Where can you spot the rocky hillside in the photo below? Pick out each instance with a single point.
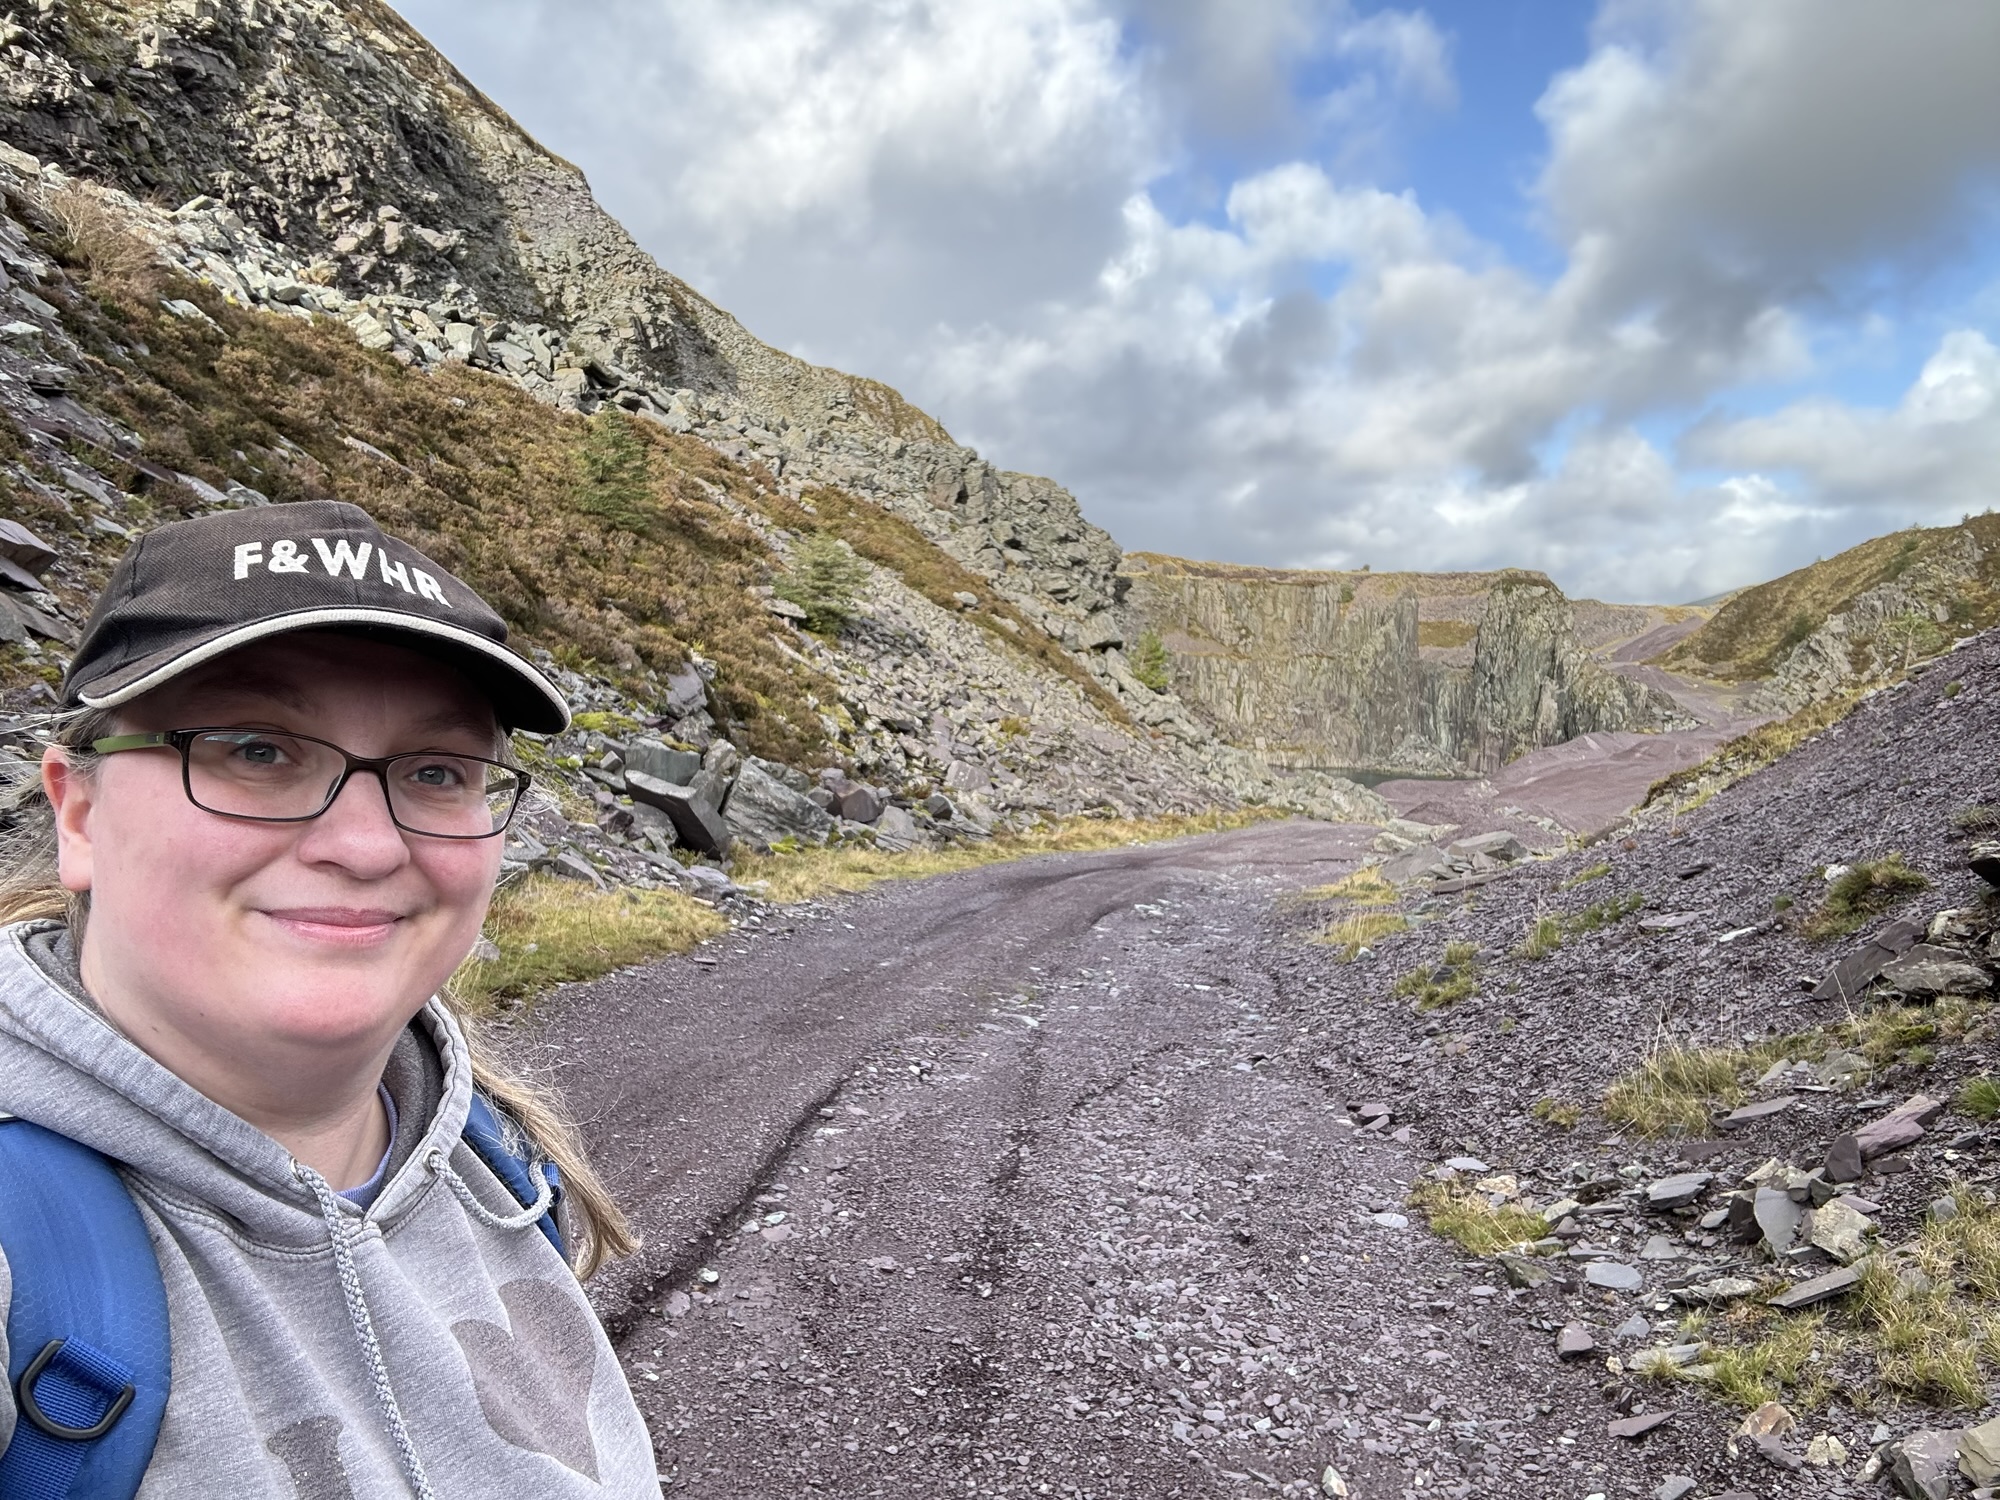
(1419, 674)
(629, 476)
(1855, 620)
(336, 132)
(1714, 1104)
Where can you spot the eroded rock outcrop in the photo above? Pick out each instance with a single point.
(336, 130)
(1417, 674)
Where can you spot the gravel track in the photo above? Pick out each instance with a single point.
(1008, 1183)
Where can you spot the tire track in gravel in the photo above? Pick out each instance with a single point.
(1008, 1186)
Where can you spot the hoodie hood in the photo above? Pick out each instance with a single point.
(66, 1068)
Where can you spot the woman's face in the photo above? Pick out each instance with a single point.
(220, 944)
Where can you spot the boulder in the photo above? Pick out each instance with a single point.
(28, 552)
(695, 819)
(1678, 1191)
(895, 829)
(687, 691)
(762, 810)
(1920, 1466)
(723, 759)
(856, 803)
(1503, 847)
(655, 826)
(662, 762)
(965, 776)
(1843, 1160)
(784, 775)
(1850, 978)
(1927, 972)
(1839, 1231)
(1979, 1453)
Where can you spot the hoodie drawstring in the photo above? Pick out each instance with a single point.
(338, 1226)
(527, 1218)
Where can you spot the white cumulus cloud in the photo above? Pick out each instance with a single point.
(1019, 212)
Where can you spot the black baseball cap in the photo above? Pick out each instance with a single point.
(187, 592)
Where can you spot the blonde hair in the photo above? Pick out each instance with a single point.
(31, 890)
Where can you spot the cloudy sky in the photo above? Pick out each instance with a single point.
(1661, 296)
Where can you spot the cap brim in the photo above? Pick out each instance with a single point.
(522, 697)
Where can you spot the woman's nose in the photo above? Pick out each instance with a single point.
(357, 830)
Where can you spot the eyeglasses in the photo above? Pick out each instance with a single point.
(271, 777)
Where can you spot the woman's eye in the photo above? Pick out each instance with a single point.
(437, 776)
(261, 753)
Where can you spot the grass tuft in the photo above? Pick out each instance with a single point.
(1977, 818)
(1587, 874)
(1979, 1097)
(1436, 986)
(1675, 1090)
(1471, 1220)
(1866, 890)
(551, 931)
(1361, 929)
(1557, 1112)
(1365, 887)
(1544, 938)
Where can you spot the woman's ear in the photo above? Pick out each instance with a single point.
(71, 793)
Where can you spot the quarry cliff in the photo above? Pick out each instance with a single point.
(1416, 674)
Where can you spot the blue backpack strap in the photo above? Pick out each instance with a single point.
(88, 1351)
(499, 1148)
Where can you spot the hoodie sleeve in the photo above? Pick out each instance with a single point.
(6, 1354)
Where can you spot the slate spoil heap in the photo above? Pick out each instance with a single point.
(1716, 1115)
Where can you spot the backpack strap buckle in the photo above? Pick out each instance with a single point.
(82, 1380)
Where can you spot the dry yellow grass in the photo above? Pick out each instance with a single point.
(1675, 1089)
(1361, 929)
(810, 873)
(1365, 887)
(1750, 752)
(552, 932)
(1471, 1220)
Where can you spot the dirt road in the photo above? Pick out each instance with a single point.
(1004, 1184)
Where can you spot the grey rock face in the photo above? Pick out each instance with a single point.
(695, 819)
(662, 762)
(1922, 1463)
(1926, 972)
(762, 810)
(1333, 674)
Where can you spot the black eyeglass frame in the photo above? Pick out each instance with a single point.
(181, 741)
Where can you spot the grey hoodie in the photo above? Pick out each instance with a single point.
(441, 1347)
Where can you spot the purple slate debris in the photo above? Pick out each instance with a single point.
(1843, 1159)
(1771, 1448)
(1820, 1288)
(1679, 1190)
(1634, 1428)
(1668, 922)
(1749, 1114)
(1861, 968)
(1370, 1112)
(1575, 1341)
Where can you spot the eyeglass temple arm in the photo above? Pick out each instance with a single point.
(119, 742)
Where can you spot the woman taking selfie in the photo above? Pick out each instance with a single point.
(266, 836)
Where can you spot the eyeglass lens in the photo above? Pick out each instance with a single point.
(260, 774)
